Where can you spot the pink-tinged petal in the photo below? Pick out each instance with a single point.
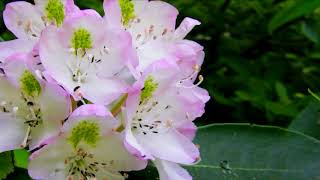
(120, 55)
(56, 63)
(130, 140)
(171, 146)
(196, 98)
(112, 149)
(171, 171)
(55, 107)
(154, 51)
(91, 112)
(9, 48)
(70, 7)
(14, 66)
(190, 66)
(26, 24)
(33, 63)
(102, 91)
(48, 162)
(145, 11)
(13, 131)
(112, 12)
(185, 27)
(187, 50)
(188, 129)
(134, 147)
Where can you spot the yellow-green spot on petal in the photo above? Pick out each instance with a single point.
(85, 131)
(29, 84)
(127, 11)
(55, 11)
(149, 87)
(81, 39)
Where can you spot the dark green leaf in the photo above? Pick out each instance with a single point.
(21, 158)
(6, 164)
(310, 30)
(240, 151)
(296, 10)
(308, 122)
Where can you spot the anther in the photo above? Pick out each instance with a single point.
(15, 109)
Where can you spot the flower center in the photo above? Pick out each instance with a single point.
(149, 87)
(81, 40)
(127, 11)
(83, 165)
(85, 131)
(150, 114)
(55, 11)
(29, 84)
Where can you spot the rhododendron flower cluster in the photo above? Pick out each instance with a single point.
(95, 97)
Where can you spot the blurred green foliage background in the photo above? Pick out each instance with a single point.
(252, 75)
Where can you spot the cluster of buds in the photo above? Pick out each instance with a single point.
(94, 97)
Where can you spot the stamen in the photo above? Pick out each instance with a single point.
(24, 142)
(15, 109)
(180, 84)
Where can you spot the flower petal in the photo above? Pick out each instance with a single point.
(171, 171)
(9, 48)
(55, 108)
(112, 12)
(48, 162)
(145, 11)
(171, 146)
(185, 27)
(112, 150)
(102, 91)
(13, 132)
(55, 63)
(188, 129)
(26, 24)
(14, 66)
(92, 112)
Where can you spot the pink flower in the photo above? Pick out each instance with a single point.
(31, 108)
(158, 113)
(153, 34)
(87, 148)
(87, 58)
(27, 21)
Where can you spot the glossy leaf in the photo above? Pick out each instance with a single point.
(308, 122)
(241, 151)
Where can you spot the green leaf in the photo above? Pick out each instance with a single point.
(296, 10)
(282, 93)
(21, 158)
(242, 151)
(308, 121)
(314, 95)
(255, 152)
(6, 164)
(311, 30)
